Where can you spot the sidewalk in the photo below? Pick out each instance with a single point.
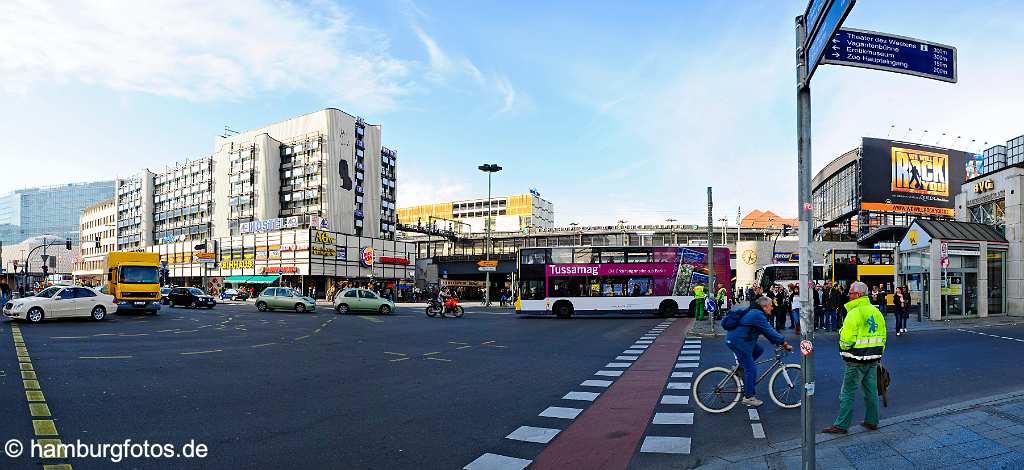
(978, 434)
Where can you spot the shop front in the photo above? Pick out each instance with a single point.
(953, 269)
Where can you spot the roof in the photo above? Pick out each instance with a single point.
(765, 219)
(952, 230)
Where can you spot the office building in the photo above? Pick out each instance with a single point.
(98, 226)
(50, 210)
(508, 213)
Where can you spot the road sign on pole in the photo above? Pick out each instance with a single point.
(817, 41)
(892, 53)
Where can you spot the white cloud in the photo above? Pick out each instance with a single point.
(508, 94)
(199, 50)
(421, 190)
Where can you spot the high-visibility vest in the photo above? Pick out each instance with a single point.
(698, 291)
(862, 338)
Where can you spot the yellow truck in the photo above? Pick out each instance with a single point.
(133, 278)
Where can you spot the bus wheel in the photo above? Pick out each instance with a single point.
(563, 309)
(668, 308)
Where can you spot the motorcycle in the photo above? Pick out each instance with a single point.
(450, 307)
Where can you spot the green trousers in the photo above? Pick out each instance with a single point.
(700, 308)
(865, 377)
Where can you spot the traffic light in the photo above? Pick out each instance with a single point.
(200, 246)
(46, 270)
(785, 230)
(67, 243)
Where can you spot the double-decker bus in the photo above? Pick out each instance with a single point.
(785, 274)
(564, 281)
(871, 266)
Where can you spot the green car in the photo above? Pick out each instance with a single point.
(352, 300)
(284, 298)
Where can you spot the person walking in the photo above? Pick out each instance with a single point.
(795, 304)
(721, 297)
(5, 292)
(901, 301)
(861, 344)
(742, 340)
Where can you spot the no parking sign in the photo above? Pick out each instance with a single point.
(806, 348)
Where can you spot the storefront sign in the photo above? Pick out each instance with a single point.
(238, 264)
(280, 269)
(204, 257)
(317, 222)
(983, 186)
(460, 283)
(285, 248)
(325, 252)
(392, 260)
(324, 237)
(367, 256)
(269, 225)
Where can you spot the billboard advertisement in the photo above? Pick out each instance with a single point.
(910, 178)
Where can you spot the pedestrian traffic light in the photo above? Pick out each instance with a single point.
(67, 243)
(785, 230)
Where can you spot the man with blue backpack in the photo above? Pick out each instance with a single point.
(744, 325)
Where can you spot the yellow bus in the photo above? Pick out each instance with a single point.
(133, 278)
(871, 266)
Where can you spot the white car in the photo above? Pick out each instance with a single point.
(61, 302)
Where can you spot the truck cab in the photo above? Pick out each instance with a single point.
(133, 279)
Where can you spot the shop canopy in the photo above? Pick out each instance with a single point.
(252, 279)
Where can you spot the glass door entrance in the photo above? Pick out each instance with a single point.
(953, 295)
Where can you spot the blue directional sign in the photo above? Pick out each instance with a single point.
(873, 50)
(811, 17)
(819, 38)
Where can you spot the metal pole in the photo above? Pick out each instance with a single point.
(487, 245)
(711, 260)
(804, 209)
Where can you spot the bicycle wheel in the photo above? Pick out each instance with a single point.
(784, 386)
(717, 390)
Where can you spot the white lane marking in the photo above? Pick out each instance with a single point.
(581, 396)
(758, 430)
(626, 358)
(675, 399)
(673, 418)
(560, 412)
(618, 364)
(633, 351)
(692, 340)
(639, 346)
(682, 375)
(490, 461)
(532, 434)
(752, 412)
(688, 358)
(596, 383)
(685, 365)
(666, 445)
(644, 341)
(609, 373)
(678, 386)
(691, 346)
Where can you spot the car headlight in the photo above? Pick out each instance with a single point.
(17, 307)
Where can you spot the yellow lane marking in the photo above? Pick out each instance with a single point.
(28, 374)
(261, 345)
(25, 366)
(50, 448)
(68, 337)
(21, 351)
(30, 384)
(302, 337)
(432, 353)
(63, 466)
(24, 359)
(395, 353)
(44, 427)
(201, 352)
(399, 359)
(439, 359)
(105, 357)
(39, 409)
(34, 395)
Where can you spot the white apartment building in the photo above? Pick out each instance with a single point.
(98, 228)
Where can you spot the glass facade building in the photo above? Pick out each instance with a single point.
(51, 210)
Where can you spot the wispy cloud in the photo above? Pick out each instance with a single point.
(508, 94)
(199, 50)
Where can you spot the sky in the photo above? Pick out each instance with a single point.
(611, 110)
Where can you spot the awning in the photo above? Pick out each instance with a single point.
(252, 279)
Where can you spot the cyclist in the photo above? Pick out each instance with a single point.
(743, 342)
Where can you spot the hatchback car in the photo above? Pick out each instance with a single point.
(61, 302)
(234, 294)
(190, 296)
(273, 298)
(362, 300)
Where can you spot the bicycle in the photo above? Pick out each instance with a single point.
(723, 387)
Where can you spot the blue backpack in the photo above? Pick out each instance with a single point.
(732, 319)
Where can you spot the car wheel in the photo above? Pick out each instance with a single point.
(261, 306)
(385, 310)
(300, 307)
(563, 309)
(99, 313)
(341, 309)
(35, 315)
(193, 304)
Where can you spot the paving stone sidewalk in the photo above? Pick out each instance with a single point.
(980, 434)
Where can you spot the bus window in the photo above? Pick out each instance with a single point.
(534, 256)
(583, 256)
(638, 255)
(533, 290)
(561, 255)
(613, 256)
(639, 286)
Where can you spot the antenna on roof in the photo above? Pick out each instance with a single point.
(228, 132)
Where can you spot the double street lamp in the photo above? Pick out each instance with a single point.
(488, 168)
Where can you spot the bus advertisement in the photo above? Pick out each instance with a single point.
(601, 279)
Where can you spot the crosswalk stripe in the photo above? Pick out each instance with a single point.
(596, 383)
(533, 434)
(490, 461)
(561, 412)
(666, 445)
(672, 418)
(581, 396)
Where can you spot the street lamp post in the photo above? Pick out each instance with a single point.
(488, 168)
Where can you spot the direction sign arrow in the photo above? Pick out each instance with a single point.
(889, 52)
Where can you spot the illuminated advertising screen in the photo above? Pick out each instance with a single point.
(911, 179)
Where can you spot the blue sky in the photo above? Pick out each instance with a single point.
(612, 110)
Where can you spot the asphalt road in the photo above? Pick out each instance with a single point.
(282, 389)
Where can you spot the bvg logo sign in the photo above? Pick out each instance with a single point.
(920, 172)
